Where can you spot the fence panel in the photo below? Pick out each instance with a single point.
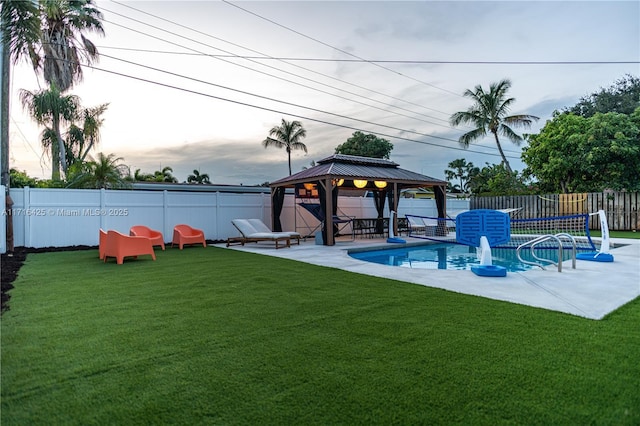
(621, 207)
(48, 217)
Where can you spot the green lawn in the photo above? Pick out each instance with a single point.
(617, 234)
(214, 336)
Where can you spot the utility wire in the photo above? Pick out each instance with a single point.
(340, 50)
(277, 69)
(393, 61)
(265, 56)
(234, 44)
(276, 100)
(283, 112)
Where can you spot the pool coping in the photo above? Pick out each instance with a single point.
(592, 291)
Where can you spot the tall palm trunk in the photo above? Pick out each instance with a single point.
(504, 158)
(55, 150)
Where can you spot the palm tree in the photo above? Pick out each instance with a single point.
(20, 29)
(105, 172)
(164, 175)
(287, 136)
(92, 122)
(63, 42)
(48, 107)
(139, 176)
(198, 177)
(489, 114)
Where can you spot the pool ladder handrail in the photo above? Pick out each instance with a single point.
(558, 238)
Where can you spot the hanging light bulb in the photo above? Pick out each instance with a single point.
(340, 182)
(380, 184)
(308, 186)
(360, 183)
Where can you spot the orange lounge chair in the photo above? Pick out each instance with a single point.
(120, 246)
(103, 243)
(142, 231)
(184, 234)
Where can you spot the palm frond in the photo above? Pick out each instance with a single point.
(472, 136)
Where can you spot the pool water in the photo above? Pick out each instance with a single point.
(449, 256)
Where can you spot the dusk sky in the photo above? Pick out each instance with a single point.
(198, 85)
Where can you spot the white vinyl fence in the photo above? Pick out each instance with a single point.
(70, 217)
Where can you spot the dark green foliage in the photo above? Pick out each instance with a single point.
(462, 171)
(20, 179)
(213, 336)
(578, 154)
(365, 146)
(622, 97)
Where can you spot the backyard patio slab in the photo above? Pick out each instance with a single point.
(592, 290)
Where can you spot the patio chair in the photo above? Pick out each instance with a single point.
(251, 235)
(142, 231)
(120, 246)
(102, 243)
(184, 234)
(416, 225)
(261, 227)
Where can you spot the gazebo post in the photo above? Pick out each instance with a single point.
(396, 200)
(328, 214)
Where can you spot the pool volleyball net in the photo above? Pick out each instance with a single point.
(522, 230)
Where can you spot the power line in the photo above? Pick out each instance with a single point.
(284, 112)
(340, 50)
(265, 56)
(276, 100)
(392, 61)
(271, 99)
(251, 59)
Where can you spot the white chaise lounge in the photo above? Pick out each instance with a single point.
(261, 227)
(251, 235)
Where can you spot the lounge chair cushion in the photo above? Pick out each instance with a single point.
(261, 227)
(251, 234)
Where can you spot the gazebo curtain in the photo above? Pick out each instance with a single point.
(379, 200)
(277, 202)
(440, 196)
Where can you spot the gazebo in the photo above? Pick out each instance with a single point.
(348, 172)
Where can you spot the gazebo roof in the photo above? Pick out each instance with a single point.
(340, 166)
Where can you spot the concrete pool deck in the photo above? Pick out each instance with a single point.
(592, 290)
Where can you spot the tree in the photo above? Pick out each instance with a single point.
(288, 136)
(199, 178)
(21, 179)
(63, 44)
(138, 176)
(462, 171)
(91, 122)
(622, 97)
(49, 33)
(494, 179)
(49, 108)
(365, 146)
(489, 115)
(577, 154)
(164, 175)
(106, 172)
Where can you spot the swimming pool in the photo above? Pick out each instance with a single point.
(448, 256)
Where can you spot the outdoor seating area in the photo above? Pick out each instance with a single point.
(142, 240)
